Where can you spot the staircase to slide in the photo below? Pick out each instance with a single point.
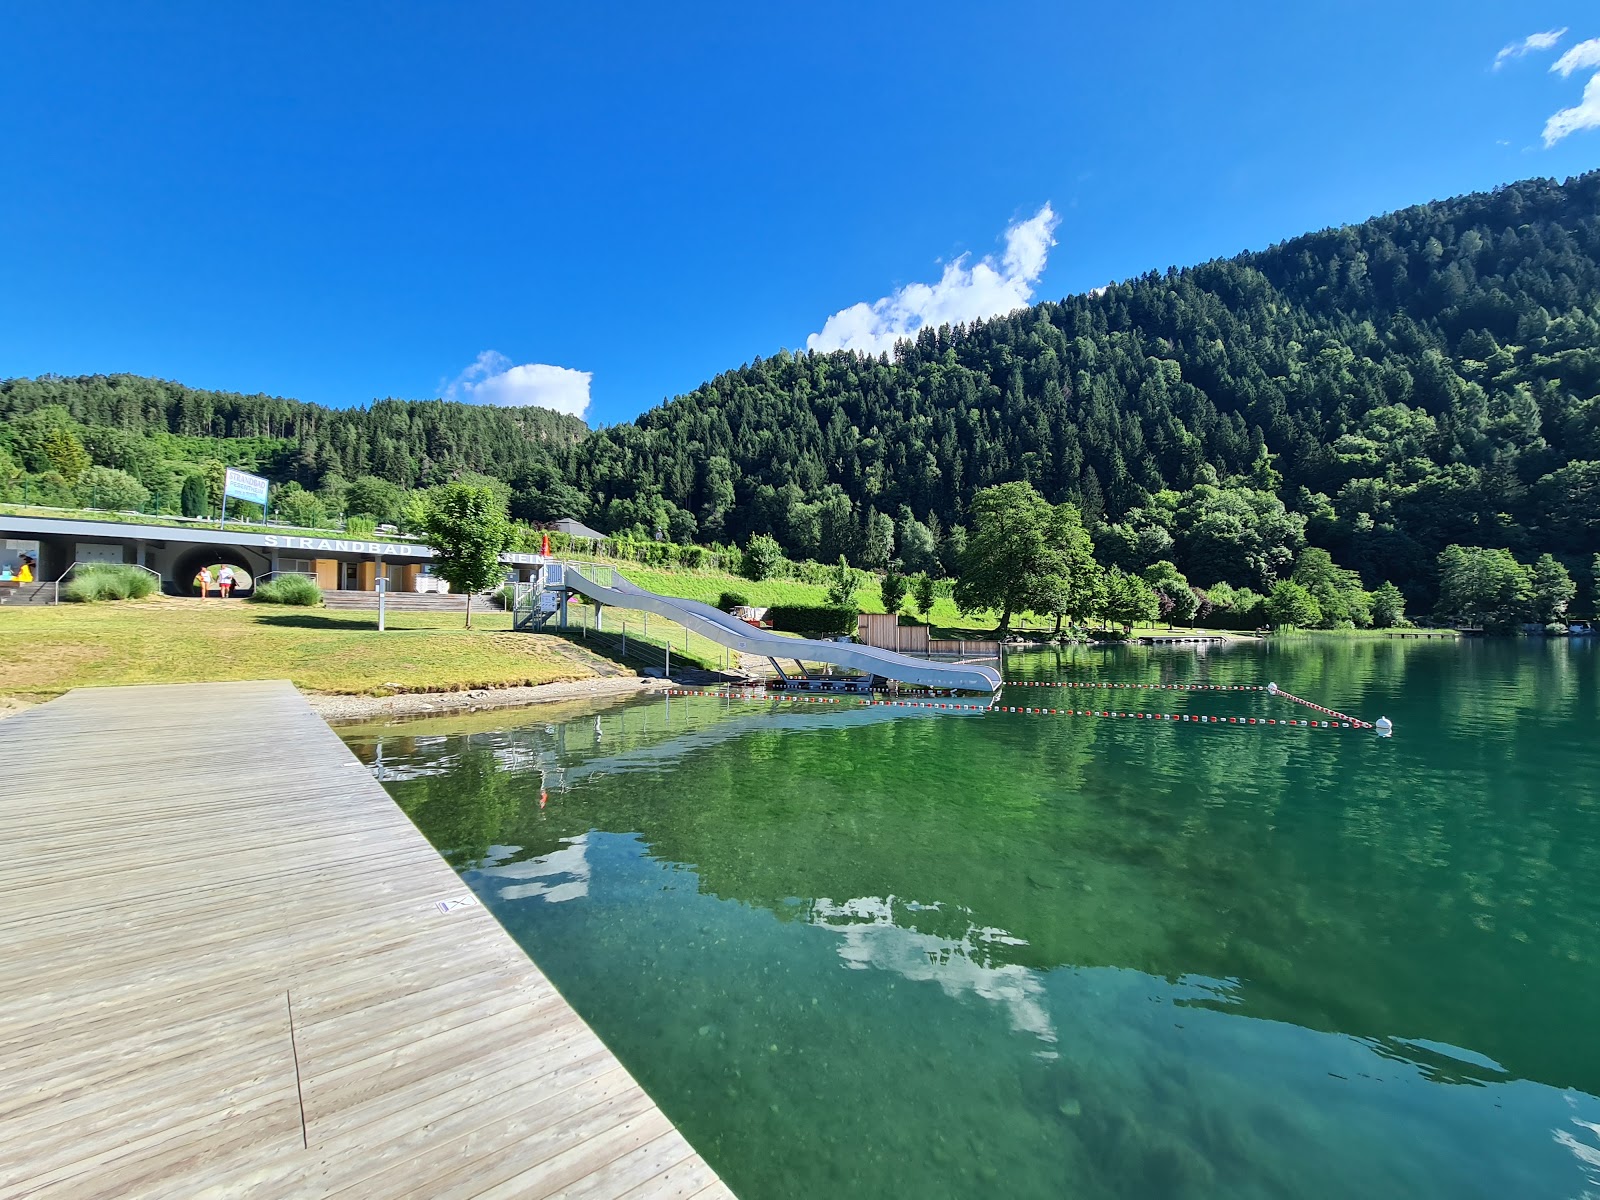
(726, 630)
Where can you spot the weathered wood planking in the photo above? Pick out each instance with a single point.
(223, 972)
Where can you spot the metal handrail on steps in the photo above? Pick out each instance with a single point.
(86, 563)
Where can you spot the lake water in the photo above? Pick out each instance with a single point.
(879, 952)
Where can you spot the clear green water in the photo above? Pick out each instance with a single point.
(883, 953)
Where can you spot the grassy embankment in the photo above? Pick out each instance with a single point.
(168, 640)
(165, 640)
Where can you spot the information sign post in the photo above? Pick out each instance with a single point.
(242, 485)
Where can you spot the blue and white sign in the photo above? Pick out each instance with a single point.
(242, 485)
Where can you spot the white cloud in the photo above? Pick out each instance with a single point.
(1532, 43)
(1581, 56)
(963, 293)
(1584, 115)
(493, 379)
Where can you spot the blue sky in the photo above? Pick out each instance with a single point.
(338, 202)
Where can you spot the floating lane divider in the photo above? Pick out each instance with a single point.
(1180, 718)
(1273, 689)
(757, 696)
(1163, 687)
(951, 706)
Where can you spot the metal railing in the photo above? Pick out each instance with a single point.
(526, 610)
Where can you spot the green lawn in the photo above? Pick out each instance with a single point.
(168, 640)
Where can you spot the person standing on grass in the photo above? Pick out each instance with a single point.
(225, 581)
(204, 580)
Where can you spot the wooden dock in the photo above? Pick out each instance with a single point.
(232, 967)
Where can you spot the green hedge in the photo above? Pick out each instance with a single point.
(729, 601)
(108, 581)
(816, 620)
(289, 589)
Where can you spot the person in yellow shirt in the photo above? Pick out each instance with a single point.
(25, 571)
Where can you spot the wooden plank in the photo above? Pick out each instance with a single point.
(688, 1177)
(249, 988)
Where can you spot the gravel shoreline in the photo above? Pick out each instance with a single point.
(336, 709)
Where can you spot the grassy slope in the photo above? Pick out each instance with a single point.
(165, 640)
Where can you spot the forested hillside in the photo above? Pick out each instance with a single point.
(1383, 390)
(410, 443)
(1427, 378)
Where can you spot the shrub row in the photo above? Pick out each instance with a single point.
(289, 589)
(527, 540)
(816, 620)
(108, 581)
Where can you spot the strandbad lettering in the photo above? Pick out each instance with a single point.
(339, 546)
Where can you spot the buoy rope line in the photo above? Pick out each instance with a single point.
(1278, 691)
(1163, 687)
(1179, 718)
(1270, 688)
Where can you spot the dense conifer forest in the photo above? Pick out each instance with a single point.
(1381, 391)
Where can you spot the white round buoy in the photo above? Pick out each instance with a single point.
(1384, 726)
(1272, 689)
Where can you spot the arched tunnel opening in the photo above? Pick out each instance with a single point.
(186, 569)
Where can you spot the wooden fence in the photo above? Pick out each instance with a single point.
(884, 631)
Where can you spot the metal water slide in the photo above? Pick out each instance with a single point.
(727, 630)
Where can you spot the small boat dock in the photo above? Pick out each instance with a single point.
(235, 968)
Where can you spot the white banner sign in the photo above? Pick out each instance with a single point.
(242, 485)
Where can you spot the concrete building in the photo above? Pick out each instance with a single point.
(178, 552)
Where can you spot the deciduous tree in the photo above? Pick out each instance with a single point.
(843, 580)
(1553, 589)
(893, 591)
(1388, 607)
(1488, 587)
(468, 528)
(761, 558)
(1289, 603)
